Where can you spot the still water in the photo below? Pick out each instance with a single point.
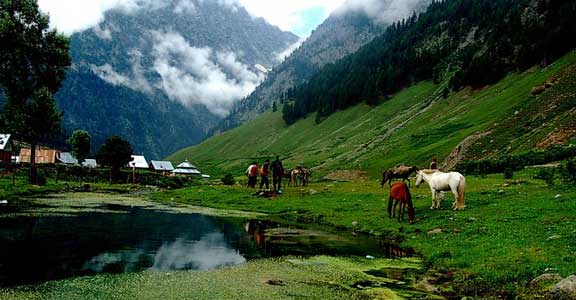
(36, 249)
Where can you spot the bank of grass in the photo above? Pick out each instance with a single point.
(510, 232)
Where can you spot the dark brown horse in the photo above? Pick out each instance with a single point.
(399, 172)
(399, 193)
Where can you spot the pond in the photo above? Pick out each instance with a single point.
(64, 239)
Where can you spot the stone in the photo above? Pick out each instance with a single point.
(544, 278)
(565, 289)
(435, 231)
(554, 237)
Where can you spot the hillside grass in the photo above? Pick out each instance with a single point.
(510, 232)
(410, 128)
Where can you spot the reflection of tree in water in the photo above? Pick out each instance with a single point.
(279, 240)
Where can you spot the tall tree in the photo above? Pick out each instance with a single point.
(33, 63)
(80, 141)
(115, 153)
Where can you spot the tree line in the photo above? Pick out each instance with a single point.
(457, 42)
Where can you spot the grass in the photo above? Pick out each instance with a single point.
(510, 232)
(286, 278)
(410, 128)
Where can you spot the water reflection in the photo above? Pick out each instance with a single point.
(38, 249)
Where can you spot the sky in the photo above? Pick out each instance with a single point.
(297, 16)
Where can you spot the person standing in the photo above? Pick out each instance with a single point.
(264, 173)
(434, 164)
(277, 174)
(252, 173)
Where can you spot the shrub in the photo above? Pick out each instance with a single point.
(568, 172)
(546, 174)
(508, 173)
(228, 180)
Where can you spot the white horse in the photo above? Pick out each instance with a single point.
(440, 182)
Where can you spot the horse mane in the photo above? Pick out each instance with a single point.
(410, 204)
(429, 171)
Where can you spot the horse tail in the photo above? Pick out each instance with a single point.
(410, 204)
(383, 179)
(390, 201)
(461, 203)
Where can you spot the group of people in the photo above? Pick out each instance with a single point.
(277, 170)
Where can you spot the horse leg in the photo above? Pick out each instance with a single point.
(433, 199)
(394, 210)
(402, 210)
(455, 193)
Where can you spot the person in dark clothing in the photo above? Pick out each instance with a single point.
(434, 164)
(264, 173)
(277, 174)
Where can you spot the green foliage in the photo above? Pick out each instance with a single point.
(516, 162)
(546, 174)
(463, 42)
(116, 153)
(228, 179)
(568, 170)
(34, 60)
(80, 141)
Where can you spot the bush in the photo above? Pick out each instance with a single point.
(568, 172)
(508, 173)
(228, 180)
(546, 174)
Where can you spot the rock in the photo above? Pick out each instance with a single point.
(565, 289)
(355, 223)
(557, 196)
(546, 277)
(313, 192)
(472, 219)
(435, 231)
(554, 237)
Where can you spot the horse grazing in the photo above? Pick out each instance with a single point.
(400, 193)
(402, 172)
(440, 182)
(300, 174)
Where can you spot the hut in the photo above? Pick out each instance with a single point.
(6, 148)
(161, 166)
(186, 169)
(66, 158)
(43, 155)
(90, 163)
(138, 162)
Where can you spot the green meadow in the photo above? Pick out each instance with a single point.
(511, 231)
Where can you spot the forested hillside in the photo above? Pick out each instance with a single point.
(343, 33)
(411, 127)
(457, 43)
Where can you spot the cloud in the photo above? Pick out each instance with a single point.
(203, 76)
(185, 7)
(136, 80)
(280, 57)
(384, 11)
(70, 16)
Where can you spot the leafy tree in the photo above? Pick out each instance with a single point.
(33, 63)
(274, 107)
(80, 142)
(115, 153)
(228, 179)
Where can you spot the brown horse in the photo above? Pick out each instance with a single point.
(401, 194)
(401, 172)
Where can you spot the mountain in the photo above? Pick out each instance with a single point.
(160, 74)
(456, 42)
(414, 125)
(343, 33)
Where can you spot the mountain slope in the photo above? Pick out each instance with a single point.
(162, 73)
(414, 125)
(343, 33)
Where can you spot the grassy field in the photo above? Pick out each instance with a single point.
(511, 231)
(270, 279)
(410, 128)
